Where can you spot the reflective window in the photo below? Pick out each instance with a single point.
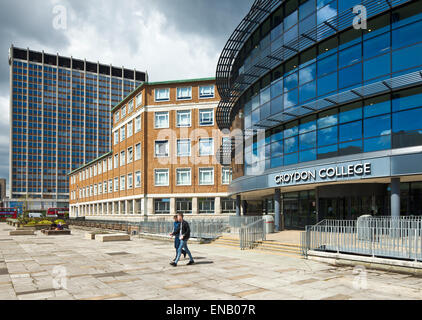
(327, 118)
(407, 58)
(307, 141)
(407, 99)
(350, 56)
(350, 76)
(377, 106)
(327, 84)
(377, 126)
(376, 46)
(291, 145)
(327, 65)
(328, 136)
(376, 67)
(350, 131)
(407, 35)
(350, 113)
(407, 120)
(377, 144)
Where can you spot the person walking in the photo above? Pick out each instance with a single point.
(183, 232)
(176, 239)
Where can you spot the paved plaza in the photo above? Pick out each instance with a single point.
(70, 267)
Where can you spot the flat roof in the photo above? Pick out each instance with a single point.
(125, 100)
(91, 163)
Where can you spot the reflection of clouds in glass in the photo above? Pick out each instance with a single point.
(328, 121)
(386, 132)
(309, 138)
(290, 145)
(326, 13)
(307, 74)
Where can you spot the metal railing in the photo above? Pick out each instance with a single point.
(250, 235)
(398, 238)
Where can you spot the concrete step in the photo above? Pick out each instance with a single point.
(268, 246)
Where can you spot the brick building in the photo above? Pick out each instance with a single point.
(163, 159)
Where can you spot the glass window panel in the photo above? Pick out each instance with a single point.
(350, 37)
(307, 124)
(376, 46)
(350, 76)
(291, 145)
(306, 9)
(405, 121)
(377, 144)
(307, 24)
(407, 35)
(307, 74)
(377, 106)
(277, 149)
(407, 58)
(327, 84)
(277, 105)
(307, 140)
(265, 111)
(327, 12)
(307, 91)
(350, 148)
(407, 99)
(377, 126)
(407, 14)
(290, 20)
(327, 118)
(290, 99)
(328, 152)
(291, 159)
(291, 129)
(291, 35)
(377, 67)
(290, 82)
(276, 89)
(350, 131)
(265, 95)
(328, 136)
(327, 65)
(309, 155)
(343, 5)
(350, 56)
(276, 162)
(351, 112)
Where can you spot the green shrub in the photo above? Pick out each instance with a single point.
(45, 222)
(59, 222)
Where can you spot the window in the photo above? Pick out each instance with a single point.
(161, 177)
(122, 134)
(206, 92)
(138, 179)
(123, 112)
(206, 147)
(206, 176)
(95, 190)
(129, 129)
(110, 164)
(162, 95)
(183, 148)
(226, 175)
(95, 171)
(161, 120)
(139, 100)
(162, 206)
(206, 205)
(105, 166)
(206, 117)
(184, 93)
(116, 161)
(110, 186)
(122, 183)
(162, 148)
(138, 152)
(130, 107)
(116, 184)
(100, 167)
(130, 155)
(130, 181)
(138, 124)
(116, 137)
(228, 205)
(183, 177)
(105, 186)
(184, 205)
(117, 117)
(122, 158)
(184, 118)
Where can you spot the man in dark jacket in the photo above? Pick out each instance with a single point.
(176, 239)
(183, 232)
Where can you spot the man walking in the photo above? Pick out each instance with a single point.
(176, 239)
(183, 233)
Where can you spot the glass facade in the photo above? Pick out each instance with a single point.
(346, 60)
(60, 120)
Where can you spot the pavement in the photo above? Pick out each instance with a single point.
(72, 268)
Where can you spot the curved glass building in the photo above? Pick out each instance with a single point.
(324, 99)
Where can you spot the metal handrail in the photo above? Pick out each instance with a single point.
(251, 234)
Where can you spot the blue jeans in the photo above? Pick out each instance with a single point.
(183, 246)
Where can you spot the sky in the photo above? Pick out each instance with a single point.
(171, 39)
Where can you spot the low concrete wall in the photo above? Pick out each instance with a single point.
(391, 265)
(112, 237)
(22, 233)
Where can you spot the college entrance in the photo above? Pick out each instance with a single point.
(336, 202)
